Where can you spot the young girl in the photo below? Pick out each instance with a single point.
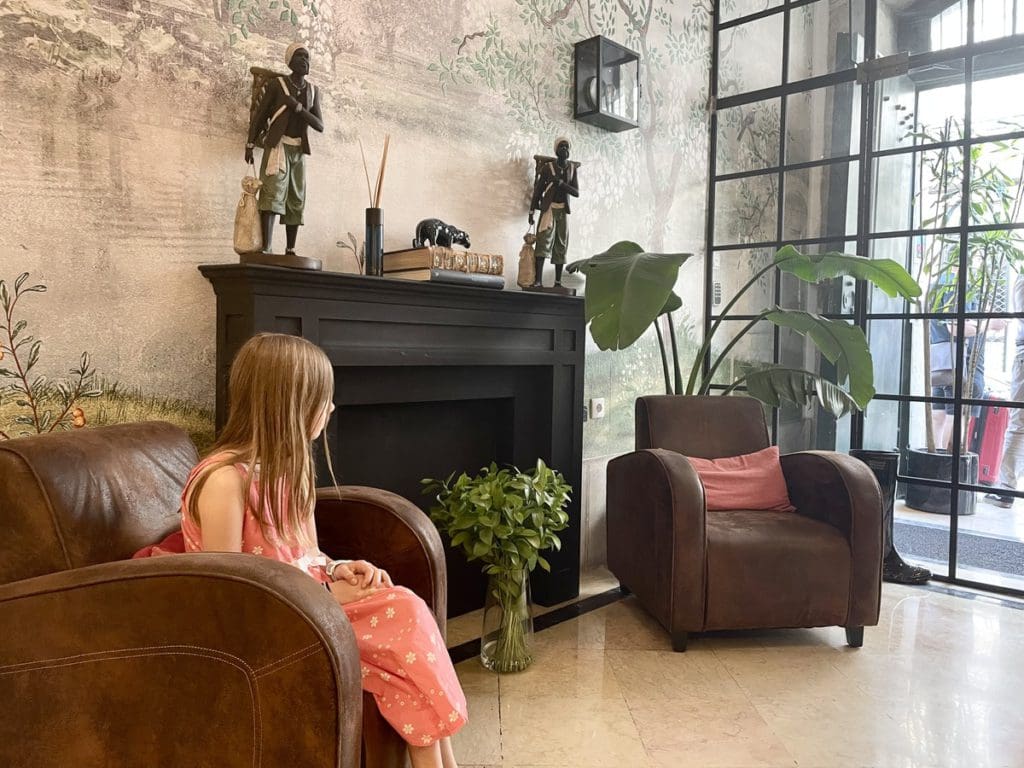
(255, 493)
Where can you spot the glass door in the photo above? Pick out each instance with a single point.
(891, 129)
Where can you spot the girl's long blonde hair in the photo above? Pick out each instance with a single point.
(279, 388)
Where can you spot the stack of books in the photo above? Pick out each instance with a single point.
(443, 265)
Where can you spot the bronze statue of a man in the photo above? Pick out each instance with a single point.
(555, 183)
(289, 107)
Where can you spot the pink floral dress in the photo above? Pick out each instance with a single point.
(405, 663)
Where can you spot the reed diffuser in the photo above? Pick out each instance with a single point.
(374, 242)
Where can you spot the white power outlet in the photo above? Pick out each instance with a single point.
(597, 408)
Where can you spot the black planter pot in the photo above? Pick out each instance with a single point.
(938, 465)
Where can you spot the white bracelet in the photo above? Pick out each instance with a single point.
(334, 564)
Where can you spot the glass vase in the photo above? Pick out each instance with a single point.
(507, 641)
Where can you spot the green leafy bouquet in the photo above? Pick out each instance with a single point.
(505, 518)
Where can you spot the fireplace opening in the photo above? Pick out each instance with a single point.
(395, 427)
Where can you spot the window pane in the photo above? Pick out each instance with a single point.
(904, 27)
(732, 270)
(915, 108)
(750, 56)
(753, 350)
(820, 41)
(734, 9)
(991, 541)
(833, 296)
(931, 260)
(992, 19)
(991, 111)
(918, 190)
(748, 137)
(823, 123)
(811, 428)
(746, 210)
(821, 202)
(897, 349)
(996, 183)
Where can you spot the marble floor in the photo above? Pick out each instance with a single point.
(937, 683)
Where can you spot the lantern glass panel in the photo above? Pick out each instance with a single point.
(586, 70)
(619, 88)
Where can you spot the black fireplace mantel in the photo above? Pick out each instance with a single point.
(417, 350)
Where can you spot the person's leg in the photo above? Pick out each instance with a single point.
(447, 753)
(271, 198)
(938, 417)
(542, 249)
(406, 667)
(945, 440)
(1013, 439)
(295, 201)
(947, 430)
(426, 757)
(560, 243)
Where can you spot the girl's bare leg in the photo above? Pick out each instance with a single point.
(426, 757)
(447, 754)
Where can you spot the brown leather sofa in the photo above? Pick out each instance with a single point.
(698, 571)
(182, 660)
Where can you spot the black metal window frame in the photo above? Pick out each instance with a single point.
(864, 236)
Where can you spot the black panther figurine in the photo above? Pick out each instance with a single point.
(438, 233)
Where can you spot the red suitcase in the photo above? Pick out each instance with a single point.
(987, 431)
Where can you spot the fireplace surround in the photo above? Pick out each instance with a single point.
(429, 379)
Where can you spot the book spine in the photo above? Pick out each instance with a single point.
(466, 278)
(474, 263)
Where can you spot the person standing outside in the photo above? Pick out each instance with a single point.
(1013, 442)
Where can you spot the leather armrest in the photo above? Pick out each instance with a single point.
(201, 659)
(656, 535)
(842, 491)
(358, 523)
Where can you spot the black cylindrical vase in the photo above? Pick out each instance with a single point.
(885, 467)
(374, 242)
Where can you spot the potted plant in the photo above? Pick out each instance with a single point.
(994, 196)
(628, 290)
(505, 518)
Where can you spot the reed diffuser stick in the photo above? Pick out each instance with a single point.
(366, 171)
(380, 173)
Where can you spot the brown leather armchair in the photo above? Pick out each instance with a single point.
(697, 571)
(199, 660)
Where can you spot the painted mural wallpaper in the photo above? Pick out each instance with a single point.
(124, 121)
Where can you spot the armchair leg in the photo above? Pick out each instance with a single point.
(855, 636)
(679, 640)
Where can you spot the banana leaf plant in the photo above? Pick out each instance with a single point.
(629, 289)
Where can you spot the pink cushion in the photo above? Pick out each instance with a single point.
(752, 481)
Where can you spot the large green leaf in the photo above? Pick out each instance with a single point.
(774, 384)
(673, 303)
(842, 344)
(627, 289)
(886, 274)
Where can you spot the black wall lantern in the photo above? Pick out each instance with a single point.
(607, 85)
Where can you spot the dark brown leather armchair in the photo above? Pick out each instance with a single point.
(199, 660)
(697, 571)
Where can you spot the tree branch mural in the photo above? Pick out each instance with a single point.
(530, 67)
(46, 406)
